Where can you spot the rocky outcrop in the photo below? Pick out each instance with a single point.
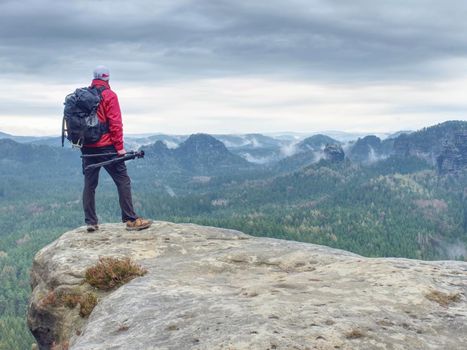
(370, 149)
(429, 143)
(453, 158)
(199, 154)
(210, 288)
(334, 153)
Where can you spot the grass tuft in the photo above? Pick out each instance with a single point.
(49, 300)
(111, 272)
(70, 299)
(87, 303)
(443, 299)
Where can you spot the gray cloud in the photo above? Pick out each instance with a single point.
(362, 40)
(196, 65)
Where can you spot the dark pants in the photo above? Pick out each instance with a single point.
(117, 172)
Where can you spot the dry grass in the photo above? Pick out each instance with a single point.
(443, 299)
(70, 299)
(49, 300)
(86, 301)
(354, 334)
(111, 272)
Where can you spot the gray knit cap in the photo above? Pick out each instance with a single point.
(102, 73)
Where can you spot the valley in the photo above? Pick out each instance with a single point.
(401, 196)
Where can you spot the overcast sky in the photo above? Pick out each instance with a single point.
(181, 66)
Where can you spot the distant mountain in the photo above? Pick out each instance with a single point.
(453, 157)
(316, 143)
(306, 152)
(287, 135)
(19, 138)
(135, 142)
(206, 152)
(131, 142)
(11, 150)
(255, 148)
(340, 136)
(398, 133)
(248, 141)
(334, 153)
(290, 151)
(45, 160)
(429, 143)
(370, 149)
(344, 137)
(200, 153)
(50, 141)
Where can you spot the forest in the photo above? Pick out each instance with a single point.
(396, 207)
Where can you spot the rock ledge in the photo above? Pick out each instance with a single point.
(210, 288)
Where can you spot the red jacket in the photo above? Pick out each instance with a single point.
(109, 110)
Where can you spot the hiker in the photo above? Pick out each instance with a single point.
(111, 141)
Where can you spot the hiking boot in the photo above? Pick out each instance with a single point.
(138, 224)
(92, 228)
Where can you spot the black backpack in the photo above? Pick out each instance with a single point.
(80, 122)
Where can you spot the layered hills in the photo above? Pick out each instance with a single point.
(191, 153)
(365, 197)
(200, 153)
(394, 204)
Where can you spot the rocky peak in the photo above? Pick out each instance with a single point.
(429, 143)
(157, 150)
(202, 143)
(370, 149)
(159, 146)
(199, 154)
(334, 153)
(363, 149)
(211, 288)
(453, 158)
(316, 143)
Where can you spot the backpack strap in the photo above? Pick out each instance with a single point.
(104, 127)
(100, 89)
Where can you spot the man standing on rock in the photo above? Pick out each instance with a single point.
(110, 142)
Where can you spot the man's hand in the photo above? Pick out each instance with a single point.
(121, 152)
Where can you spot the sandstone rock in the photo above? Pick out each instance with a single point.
(438, 144)
(334, 153)
(210, 288)
(453, 158)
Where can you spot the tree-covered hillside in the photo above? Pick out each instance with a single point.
(399, 206)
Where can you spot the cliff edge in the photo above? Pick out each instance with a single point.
(210, 288)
